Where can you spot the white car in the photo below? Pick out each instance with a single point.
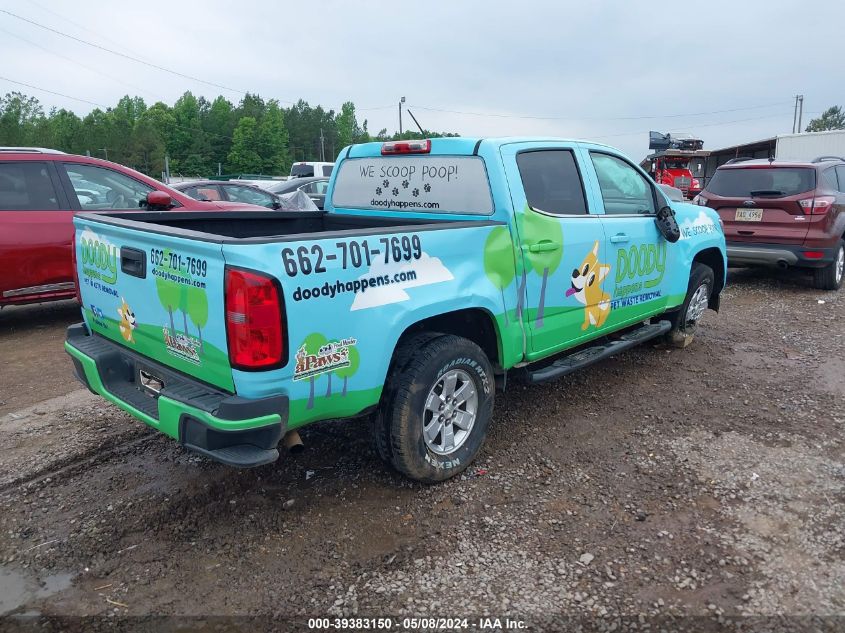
(311, 169)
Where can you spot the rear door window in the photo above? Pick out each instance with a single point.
(840, 175)
(27, 186)
(829, 179)
(762, 181)
(551, 182)
(248, 195)
(209, 193)
(432, 184)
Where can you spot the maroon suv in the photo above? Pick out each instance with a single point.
(783, 213)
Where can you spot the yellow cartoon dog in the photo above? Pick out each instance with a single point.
(586, 286)
(127, 321)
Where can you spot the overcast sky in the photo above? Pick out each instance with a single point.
(605, 70)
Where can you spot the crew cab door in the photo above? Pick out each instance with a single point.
(558, 233)
(637, 254)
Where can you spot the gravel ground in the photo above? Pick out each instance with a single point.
(656, 486)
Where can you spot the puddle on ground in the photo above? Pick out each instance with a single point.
(18, 588)
(832, 372)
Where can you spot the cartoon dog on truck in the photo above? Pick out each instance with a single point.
(586, 286)
(127, 321)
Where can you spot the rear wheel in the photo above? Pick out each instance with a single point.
(439, 407)
(685, 321)
(830, 277)
(379, 421)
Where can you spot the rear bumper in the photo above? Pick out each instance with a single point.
(777, 255)
(227, 428)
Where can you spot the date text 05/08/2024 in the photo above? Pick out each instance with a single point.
(483, 623)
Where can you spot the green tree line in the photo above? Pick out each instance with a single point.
(253, 136)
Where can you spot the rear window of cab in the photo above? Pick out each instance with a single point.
(432, 184)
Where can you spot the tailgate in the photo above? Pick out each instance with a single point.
(158, 295)
(761, 203)
(765, 222)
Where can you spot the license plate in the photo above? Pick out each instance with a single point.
(151, 384)
(749, 215)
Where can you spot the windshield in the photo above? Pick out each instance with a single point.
(675, 164)
(436, 184)
(751, 181)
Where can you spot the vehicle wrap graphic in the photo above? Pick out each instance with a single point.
(173, 314)
(127, 321)
(587, 280)
(349, 295)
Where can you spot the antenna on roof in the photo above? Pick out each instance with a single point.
(415, 121)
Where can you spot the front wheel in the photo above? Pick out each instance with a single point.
(439, 409)
(685, 321)
(830, 277)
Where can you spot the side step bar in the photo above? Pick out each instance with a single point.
(588, 356)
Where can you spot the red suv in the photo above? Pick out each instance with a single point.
(40, 190)
(783, 213)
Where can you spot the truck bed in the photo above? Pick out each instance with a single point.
(240, 227)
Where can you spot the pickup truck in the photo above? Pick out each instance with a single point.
(439, 269)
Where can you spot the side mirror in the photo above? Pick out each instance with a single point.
(159, 201)
(667, 224)
(277, 204)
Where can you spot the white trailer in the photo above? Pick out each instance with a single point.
(809, 145)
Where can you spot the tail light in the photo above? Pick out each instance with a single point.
(406, 147)
(253, 320)
(817, 206)
(73, 266)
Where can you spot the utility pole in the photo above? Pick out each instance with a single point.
(106, 152)
(166, 169)
(401, 101)
(322, 146)
(797, 114)
(800, 111)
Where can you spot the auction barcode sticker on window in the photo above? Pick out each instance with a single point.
(434, 184)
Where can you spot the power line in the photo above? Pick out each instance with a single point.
(175, 126)
(123, 55)
(82, 27)
(569, 118)
(392, 105)
(774, 116)
(53, 92)
(78, 63)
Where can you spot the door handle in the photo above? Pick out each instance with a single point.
(133, 262)
(619, 238)
(543, 246)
